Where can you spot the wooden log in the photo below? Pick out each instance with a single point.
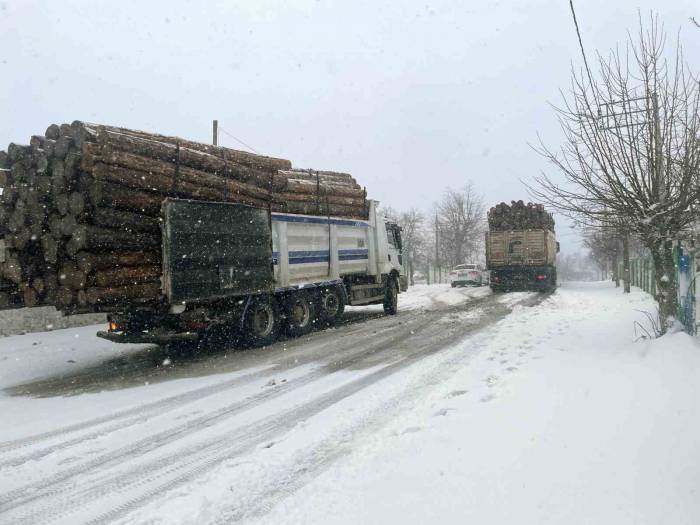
(5, 300)
(176, 176)
(126, 276)
(93, 238)
(241, 157)
(333, 210)
(71, 276)
(30, 296)
(17, 218)
(68, 225)
(135, 292)
(49, 246)
(40, 161)
(58, 176)
(305, 186)
(65, 296)
(124, 220)
(9, 195)
(54, 225)
(65, 130)
(218, 162)
(43, 186)
(53, 132)
(76, 203)
(61, 203)
(39, 286)
(62, 147)
(90, 262)
(331, 199)
(164, 185)
(20, 238)
(71, 166)
(325, 177)
(153, 183)
(12, 269)
(103, 194)
(17, 152)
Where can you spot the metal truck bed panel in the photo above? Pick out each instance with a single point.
(520, 247)
(215, 250)
(310, 249)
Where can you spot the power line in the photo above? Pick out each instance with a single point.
(251, 148)
(580, 43)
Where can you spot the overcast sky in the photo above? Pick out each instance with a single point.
(409, 97)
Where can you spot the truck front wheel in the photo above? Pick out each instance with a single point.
(391, 297)
(300, 313)
(262, 321)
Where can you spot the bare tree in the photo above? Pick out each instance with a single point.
(631, 152)
(461, 217)
(413, 237)
(604, 249)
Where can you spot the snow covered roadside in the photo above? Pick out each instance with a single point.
(560, 418)
(36, 355)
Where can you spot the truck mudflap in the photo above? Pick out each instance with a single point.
(161, 338)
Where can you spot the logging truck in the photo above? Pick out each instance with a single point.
(522, 259)
(233, 272)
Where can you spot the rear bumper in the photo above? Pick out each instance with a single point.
(157, 339)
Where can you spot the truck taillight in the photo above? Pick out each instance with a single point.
(495, 278)
(541, 277)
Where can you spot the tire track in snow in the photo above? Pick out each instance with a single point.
(185, 463)
(133, 416)
(43, 488)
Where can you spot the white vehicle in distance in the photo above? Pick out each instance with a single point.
(468, 275)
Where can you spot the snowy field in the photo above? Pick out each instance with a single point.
(465, 407)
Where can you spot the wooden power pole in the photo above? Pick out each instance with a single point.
(215, 134)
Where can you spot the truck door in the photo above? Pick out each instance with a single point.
(393, 233)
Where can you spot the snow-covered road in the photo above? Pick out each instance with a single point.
(129, 423)
(466, 406)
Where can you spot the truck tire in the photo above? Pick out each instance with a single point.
(391, 297)
(262, 321)
(299, 313)
(331, 306)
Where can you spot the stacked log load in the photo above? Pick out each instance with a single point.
(81, 204)
(519, 216)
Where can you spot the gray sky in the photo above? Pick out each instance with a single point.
(410, 97)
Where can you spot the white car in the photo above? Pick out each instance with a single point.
(468, 274)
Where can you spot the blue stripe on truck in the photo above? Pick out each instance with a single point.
(318, 220)
(316, 256)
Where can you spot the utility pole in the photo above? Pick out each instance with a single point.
(215, 134)
(626, 261)
(658, 152)
(437, 256)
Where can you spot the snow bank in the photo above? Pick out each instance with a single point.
(42, 354)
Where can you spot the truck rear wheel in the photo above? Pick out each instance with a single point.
(299, 313)
(262, 321)
(331, 305)
(391, 297)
